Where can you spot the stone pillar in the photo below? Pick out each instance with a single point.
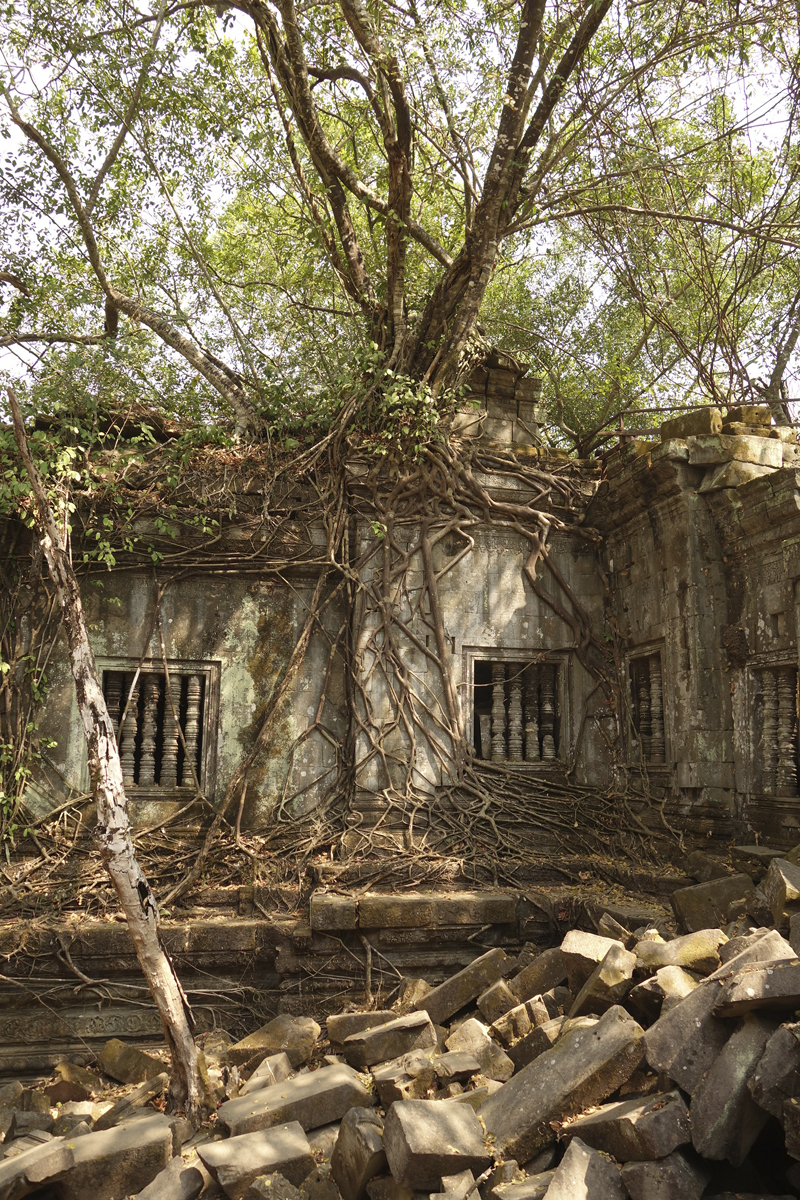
(130, 726)
(191, 729)
(547, 712)
(532, 751)
(769, 732)
(498, 712)
(147, 763)
(657, 746)
(515, 716)
(786, 772)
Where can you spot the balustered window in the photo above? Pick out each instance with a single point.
(160, 732)
(647, 708)
(776, 715)
(516, 707)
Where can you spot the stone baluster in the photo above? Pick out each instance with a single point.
(532, 751)
(786, 773)
(128, 732)
(498, 712)
(643, 698)
(191, 729)
(515, 716)
(147, 762)
(486, 734)
(769, 731)
(657, 747)
(548, 713)
(113, 693)
(169, 753)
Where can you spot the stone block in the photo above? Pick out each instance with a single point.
(692, 424)
(412, 992)
(776, 949)
(541, 1038)
(359, 1154)
(23, 1123)
(584, 1173)
(313, 1099)
(733, 475)
(475, 908)
(323, 1140)
(342, 1025)
(706, 450)
(582, 952)
(128, 1105)
(385, 1188)
(272, 1187)
(583, 1068)
(608, 984)
(754, 415)
(794, 932)
(274, 1069)
(760, 986)
(533, 1188)
(725, 1118)
(455, 1065)
(636, 1130)
(442, 1002)
(394, 912)
(71, 1113)
(175, 1182)
(294, 1036)
(319, 1185)
(698, 952)
(118, 1162)
(127, 1064)
(673, 1178)
(425, 1140)
(546, 971)
(497, 1000)
(657, 995)
(684, 1043)
(472, 1037)
(10, 1094)
(705, 905)
(33, 1169)
(388, 1041)
(777, 1076)
(704, 867)
(393, 1082)
(782, 888)
(517, 1022)
(331, 913)
(237, 1161)
(72, 1083)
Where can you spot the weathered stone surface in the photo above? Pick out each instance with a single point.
(71, 1114)
(393, 1082)
(342, 1025)
(443, 1001)
(10, 1094)
(517, 1022)
(582, 952)
(318, 1185)
(724, 448)
(295, 1036)
(127, 1064)
(583, 1068)
(704, 867)
(330, 913)
(610, 927)
(672, 1178)
(425, 1140)
(389, 1041)
(608, 984)
(472, 1037)
(754, 860)
(412, 992)
(546, 971)
(725, 1119)
(541, 1038)
(776, 949)
(583, 1174)
(272, 1187)
(314, 1099)
(274, 1069)
(791, 1126)
(385, 1188)
(118, 1162)
(692, 424)
(175, 1182)
(705, 905)
(756, 415)
(128, 1104)
(781, 886)
(533, 1188)
(359, 1154)
(761, 986)
(323, 1140)
(665, 989)
(777, 1076)
(27, 1172)
(636, 1130)
(455, 1065)
(71, 1083)
(697, 952)
(27, 1122)
(496, 1000)
(733, 474)
(794, 932)
(455, 1187)
(237, 1161)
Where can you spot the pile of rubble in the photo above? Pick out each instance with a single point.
(619, 1064)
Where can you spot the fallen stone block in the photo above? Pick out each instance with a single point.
(127, 1064)
(295, 1036)
(533, 1188)
(237, 1161)
(394, 1082)
(118, 1162)
(655, 996)
(71, 1083)
(671, 1178)
(456, 1065)
(704, 867)
(27, 1122)
(725, 1119)
(791, 1126)
(705, 905)
(692, 424)
(517, 1023)
(584, 1173)
(385, 1188)
(636, 1130)
(540, 1039)
(71, 1114)
(496, 1000)
(780, 948)
(425, 1140)
(318, 1185)
(28, 1172)
(698, 952)
(11, 1094)
(271, 1070)
(582, 953)
(544, 973)
(323, 1140)
(272, 1187)
(342, 1025)
(443, 1001)
(583, 1068)
(781, 887)
(412, 992)
(359, 1154)
(610, 927)
(754, 860)
(761, 986)
(398, 1036)
(120, 1111)
(794, 932)
(777, 1076)
(175, 1182)
(313, 1099)
(472, 1037)
(608, 984)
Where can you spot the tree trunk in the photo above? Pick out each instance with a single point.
(112, 832)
